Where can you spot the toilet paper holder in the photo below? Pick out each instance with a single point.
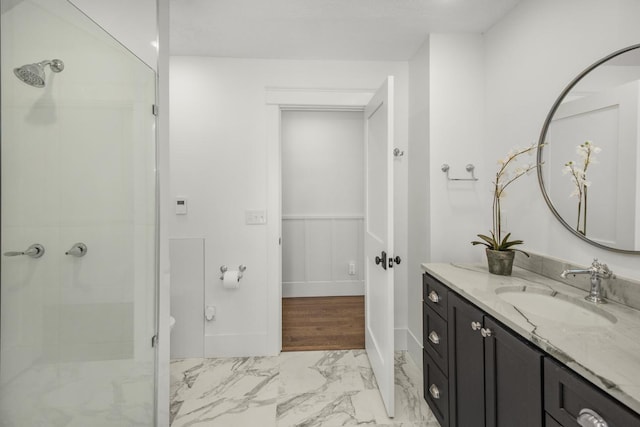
(223, 269)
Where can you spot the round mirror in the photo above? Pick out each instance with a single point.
(590, 151)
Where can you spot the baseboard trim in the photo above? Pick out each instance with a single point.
(322, 289)
(400, 339)
(236, 345)
(414, 348)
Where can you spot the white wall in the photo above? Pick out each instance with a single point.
(219, 161)
(446, 126)
(322, 203)
(419, 248)
(530, 56)
(132, 23)
(322, 163)
(458, 210)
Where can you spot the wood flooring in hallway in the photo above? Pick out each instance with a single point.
(323, 323)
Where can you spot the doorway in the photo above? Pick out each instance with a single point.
(378, 109)
(322, 166)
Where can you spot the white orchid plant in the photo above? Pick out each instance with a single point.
(508, 172)
(577, 171)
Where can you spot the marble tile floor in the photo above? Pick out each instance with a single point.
(111, 393)
(312, 389)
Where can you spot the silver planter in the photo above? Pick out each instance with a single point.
(500, 262)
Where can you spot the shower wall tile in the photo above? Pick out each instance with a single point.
(187, 297)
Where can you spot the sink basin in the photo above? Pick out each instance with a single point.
(555, 306)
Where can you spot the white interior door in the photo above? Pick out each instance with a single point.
(379, 240)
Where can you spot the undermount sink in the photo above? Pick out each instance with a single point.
(555, 306)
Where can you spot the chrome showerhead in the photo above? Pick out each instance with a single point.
(33, 74)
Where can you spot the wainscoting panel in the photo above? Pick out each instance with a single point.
(317, 252)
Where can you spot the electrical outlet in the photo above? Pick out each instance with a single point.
(352, 268)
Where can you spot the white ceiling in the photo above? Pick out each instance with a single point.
(322, 29)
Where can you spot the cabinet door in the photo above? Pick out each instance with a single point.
(466, 364)
(513, 379)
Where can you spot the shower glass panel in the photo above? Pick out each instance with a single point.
(77, 312)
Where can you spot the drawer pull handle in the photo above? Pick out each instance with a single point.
(434, 337)
(434, 391)
(486, 332)
(476, 326)
(590, 418)
(434, 297)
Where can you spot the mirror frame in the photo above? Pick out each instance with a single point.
(541, 141)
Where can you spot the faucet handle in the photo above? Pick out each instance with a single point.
(601, 269)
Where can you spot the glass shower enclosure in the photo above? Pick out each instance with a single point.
(78, 222)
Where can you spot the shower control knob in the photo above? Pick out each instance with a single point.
(77, 250)
(34, 251)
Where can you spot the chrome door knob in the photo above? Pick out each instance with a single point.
(34, 251)
(476, 326)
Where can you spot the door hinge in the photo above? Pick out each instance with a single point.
(154, 340)
(154, 109)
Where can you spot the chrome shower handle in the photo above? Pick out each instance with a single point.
(77, 250)
(34, 251)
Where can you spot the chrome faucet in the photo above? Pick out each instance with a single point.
(597, 271)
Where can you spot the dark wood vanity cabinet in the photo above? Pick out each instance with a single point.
(494, 379)
(480, 374)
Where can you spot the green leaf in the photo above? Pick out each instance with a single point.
(489, 240)
(508, 245)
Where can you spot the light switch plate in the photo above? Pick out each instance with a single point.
(253, 217)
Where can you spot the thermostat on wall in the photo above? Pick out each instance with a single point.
(181, 206)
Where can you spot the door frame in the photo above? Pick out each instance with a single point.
(278, 100)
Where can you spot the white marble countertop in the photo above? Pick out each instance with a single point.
(607, 355)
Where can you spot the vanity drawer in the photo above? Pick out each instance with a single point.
(434, 295)
(566, 394)
(435, 337)
(436, 390)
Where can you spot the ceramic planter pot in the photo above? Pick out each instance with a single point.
(500, 262)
